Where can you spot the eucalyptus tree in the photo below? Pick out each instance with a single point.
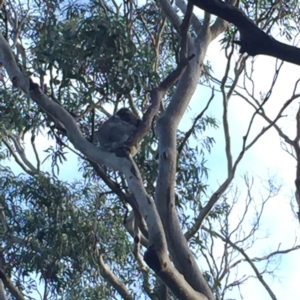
(121, 226)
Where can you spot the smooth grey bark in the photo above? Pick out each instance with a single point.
(167, 126)
(2, 291)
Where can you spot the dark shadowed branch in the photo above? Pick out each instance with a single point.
(252, 39)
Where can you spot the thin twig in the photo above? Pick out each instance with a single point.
(190, 131)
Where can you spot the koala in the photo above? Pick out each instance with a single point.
(114, 132)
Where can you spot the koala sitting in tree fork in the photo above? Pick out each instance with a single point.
(115, 131)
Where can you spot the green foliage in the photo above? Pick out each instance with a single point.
(17, 114)
(96, 49)
(57, 229)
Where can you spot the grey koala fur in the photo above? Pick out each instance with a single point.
(114, 132)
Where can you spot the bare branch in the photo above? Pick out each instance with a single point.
(263, 114)
(35, 152)
(253, 40)
(170, 13)
(251, 260)
(10, 286)
(214, 198)
(194, 20)
(112, 278)
(185, 32)
(225, 115)
(190, 131)
(21, 152)
(17, 159)
(165, 195)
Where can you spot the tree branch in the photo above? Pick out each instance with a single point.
(220, 25)
(252, 39)
(222, 188)
(10, 286)
(191, 130)
(167, 125)
(194, 20)
(2, 291)
(112, 278)
(247, 258)
(17, 159)
(170, 13)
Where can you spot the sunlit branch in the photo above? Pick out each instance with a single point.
(32, 140)
(225, 114)
(21, 152)
(17, 159)
(158, 38)
(111, 277)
